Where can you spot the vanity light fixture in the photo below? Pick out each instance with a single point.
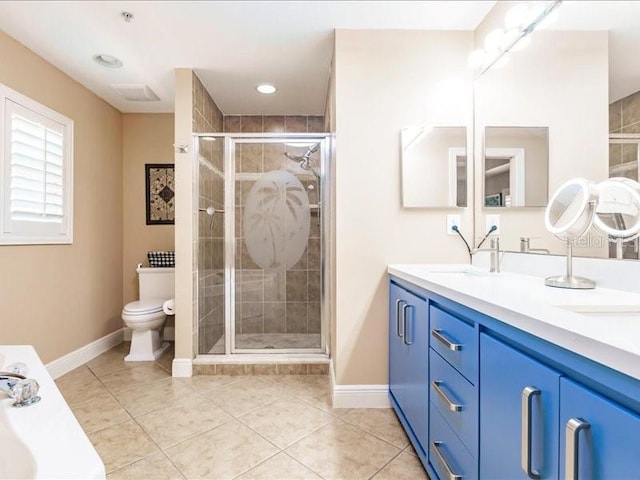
(520, 22)
(108, 61)
(266, 89)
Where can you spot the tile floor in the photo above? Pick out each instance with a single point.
(147, 425)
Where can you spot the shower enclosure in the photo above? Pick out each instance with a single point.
(261, 204)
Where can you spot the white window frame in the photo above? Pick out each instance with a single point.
(35, 235)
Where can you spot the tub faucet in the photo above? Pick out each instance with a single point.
(22, 389)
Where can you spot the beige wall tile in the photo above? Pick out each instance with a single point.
(295, 124)
(273, 124)
(251, 124)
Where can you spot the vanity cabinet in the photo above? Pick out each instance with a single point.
(519, 408)
(599, 438)
(481, 399)
(409, 362)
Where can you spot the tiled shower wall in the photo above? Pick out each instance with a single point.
(624, 117)
(210, 241)
(275, 301)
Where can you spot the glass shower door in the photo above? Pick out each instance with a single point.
(277, 245)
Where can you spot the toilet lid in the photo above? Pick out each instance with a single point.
(142, 307)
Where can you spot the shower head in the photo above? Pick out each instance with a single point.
(305, 160)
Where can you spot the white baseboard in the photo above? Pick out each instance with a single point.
(358, 396)
(182, 367)
(169, 334)
(79, 357)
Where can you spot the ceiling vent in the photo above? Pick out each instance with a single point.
(136, 93)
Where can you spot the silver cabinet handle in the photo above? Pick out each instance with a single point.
(572, 433)
(398, 313)
(454, 407)
(528, 393)
(410, 327)
(437, 334)
(443, 462)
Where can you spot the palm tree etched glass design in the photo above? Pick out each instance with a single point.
(276, 220)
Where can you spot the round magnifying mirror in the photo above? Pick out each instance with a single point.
(618, 211)
(570, 211)
(568, 216)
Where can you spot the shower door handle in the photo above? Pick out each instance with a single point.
(211, 211)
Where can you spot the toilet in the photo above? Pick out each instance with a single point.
(145, 317)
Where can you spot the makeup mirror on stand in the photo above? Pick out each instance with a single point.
(617, 214)
(569, 216)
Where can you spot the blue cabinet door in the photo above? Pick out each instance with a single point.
(519, 406)
(409, 360)
(598, 438)
(397, 348)
(416, 337)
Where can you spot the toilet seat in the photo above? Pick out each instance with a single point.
(143, 307)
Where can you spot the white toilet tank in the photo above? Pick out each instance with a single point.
(157, 282)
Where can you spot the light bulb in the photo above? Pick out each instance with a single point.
(517, 16)
(493, 40)
(477, 58)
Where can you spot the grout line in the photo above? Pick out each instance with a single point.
(384, 466)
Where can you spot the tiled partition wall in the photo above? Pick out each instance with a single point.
(624, 117)
(275, 301)
(210, 241)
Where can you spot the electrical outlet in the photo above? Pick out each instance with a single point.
(493, 220)
(451, 221)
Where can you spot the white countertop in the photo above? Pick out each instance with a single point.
(526, 303)
(43, 440)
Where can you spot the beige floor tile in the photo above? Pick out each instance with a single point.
(133, 377)
(404, 467)
(206, 383)
(149, 397)
(240, 397)
(410, 450)
(166, 360)
(81, 385)
(110, 361)
(381, 422)
(156, 467)
(286, 421)
(222, 453)
(122, 444)
(341, 451)
(313, 389)
(188, 417)
(280, 467)
(98, 413)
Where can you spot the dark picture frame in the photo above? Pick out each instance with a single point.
(160, 193)
(493, 200)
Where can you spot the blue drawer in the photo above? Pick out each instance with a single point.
(456, 341)
(447, 455)
(456, 399)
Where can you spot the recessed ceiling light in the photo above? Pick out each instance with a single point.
(266, 89)
(108, 61)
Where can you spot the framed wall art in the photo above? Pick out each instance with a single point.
(159, 180)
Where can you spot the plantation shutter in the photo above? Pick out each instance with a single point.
(35, 177)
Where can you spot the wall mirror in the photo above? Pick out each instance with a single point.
(580, 77)
(516, 166)
(434, 167)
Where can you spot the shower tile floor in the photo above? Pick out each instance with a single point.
(271, 340)
(147, 425)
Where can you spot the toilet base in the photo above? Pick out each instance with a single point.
(146, 346)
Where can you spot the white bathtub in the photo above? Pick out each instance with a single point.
(43, 440)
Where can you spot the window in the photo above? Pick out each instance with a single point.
(36, 165)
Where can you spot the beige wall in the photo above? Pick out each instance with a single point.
(147, 138)
(62, 297)
(561, 82)
(386, 80)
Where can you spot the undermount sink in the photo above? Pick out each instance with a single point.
(459, 270)
(603, 310)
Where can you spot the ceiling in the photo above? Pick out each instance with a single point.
(233, 45)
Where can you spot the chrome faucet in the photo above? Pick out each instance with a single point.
(22, 389)
(525, 243)
(494, 259)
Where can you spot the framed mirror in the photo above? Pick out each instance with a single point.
(516, 167)
(434, 167)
